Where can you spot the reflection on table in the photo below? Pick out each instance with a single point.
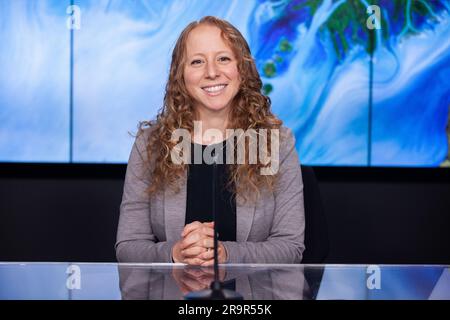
(73, 281)
(261, 283)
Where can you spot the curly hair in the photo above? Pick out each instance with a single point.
(250, 109)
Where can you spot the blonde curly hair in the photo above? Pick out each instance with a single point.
(250, 109)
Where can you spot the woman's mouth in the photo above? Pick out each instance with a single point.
(214, 90)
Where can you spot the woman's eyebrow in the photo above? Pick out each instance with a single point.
(224, 51)
(203, 54)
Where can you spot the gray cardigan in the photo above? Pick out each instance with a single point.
(268, 231)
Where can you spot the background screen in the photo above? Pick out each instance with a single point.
(357, 89)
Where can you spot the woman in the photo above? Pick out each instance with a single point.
(166, 207)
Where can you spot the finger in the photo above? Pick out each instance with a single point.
(190, 240)
(194, 261)
(208, 263)
(191, 227)
(210, 255)
(193, 251)
(207, 254)
(197, 239)
(196, 225)
(203, 230)
(207, 231)
(207, 242)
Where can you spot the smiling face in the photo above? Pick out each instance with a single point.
(210, 72)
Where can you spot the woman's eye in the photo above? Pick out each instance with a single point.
(222, 59)
(196, 62)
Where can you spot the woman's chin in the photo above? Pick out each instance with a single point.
(216, 107)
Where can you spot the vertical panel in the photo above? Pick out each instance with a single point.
(314, 63)
(411, 86)
(34, 81)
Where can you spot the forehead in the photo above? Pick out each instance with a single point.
(205, 39)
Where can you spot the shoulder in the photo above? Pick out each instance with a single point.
(146, 129)
(286, 142)
(286, 135)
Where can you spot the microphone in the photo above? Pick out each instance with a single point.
(216, 290)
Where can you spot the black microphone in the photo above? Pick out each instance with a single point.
(217, 290)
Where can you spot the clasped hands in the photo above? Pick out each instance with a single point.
(196, 245)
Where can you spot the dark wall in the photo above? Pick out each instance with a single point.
(59, 212)
(388, 222)
(70, 213)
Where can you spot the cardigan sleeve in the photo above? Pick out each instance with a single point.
(136, 241)
(285, 243)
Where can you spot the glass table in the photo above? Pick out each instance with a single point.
(98, 281)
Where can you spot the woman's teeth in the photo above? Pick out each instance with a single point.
(215, 88)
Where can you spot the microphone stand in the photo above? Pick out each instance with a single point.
(216, 290)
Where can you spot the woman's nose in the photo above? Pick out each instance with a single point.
(212, 71)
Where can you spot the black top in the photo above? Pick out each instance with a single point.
(199, 194)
